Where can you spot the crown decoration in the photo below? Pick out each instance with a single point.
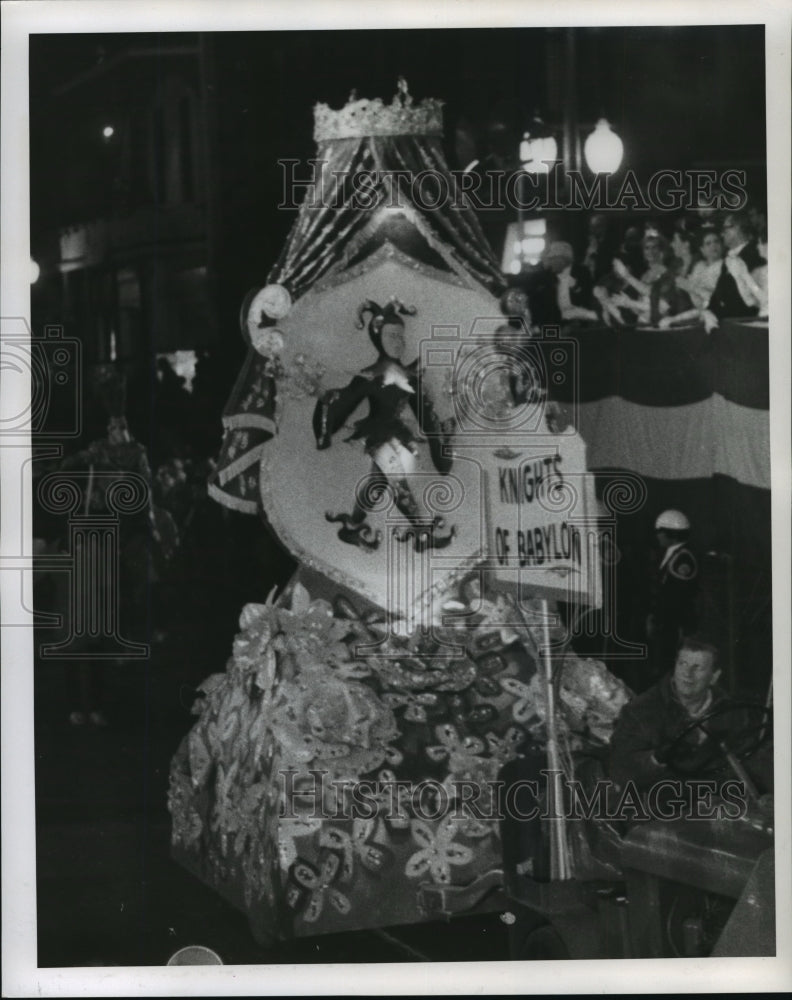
(363, 117)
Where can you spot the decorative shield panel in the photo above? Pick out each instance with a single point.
(377, 499)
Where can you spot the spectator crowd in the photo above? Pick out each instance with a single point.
(701, 269)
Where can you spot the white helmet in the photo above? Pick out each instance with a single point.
(672, 520)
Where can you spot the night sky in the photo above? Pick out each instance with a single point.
(680, 97)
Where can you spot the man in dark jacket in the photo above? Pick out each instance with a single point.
(653, 720)
(564, 292)
(648, 740)
(601, 248)
(736, 230)
(736, 294)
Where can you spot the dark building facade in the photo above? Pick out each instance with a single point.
(120, 227)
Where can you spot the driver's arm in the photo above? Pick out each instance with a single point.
(633, 747)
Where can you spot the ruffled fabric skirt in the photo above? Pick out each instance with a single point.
(340, 778)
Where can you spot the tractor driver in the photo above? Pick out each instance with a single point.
(658, 730)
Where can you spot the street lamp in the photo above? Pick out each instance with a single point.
(603, 149)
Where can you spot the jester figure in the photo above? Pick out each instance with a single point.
(399, 415)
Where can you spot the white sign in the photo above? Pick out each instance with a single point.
(542, 518)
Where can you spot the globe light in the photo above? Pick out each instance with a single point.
(603, 149)
(528, 149)
(35, 271)
(108, 131)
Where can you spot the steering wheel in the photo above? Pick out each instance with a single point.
(752, 727)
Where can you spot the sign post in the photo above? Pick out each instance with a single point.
(559, 853)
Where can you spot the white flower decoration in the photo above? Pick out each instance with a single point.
(438, 851)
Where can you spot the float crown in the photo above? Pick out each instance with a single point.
(363, 117)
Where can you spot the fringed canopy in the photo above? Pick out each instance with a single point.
(373, 191)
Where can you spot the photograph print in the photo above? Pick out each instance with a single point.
(401, 495)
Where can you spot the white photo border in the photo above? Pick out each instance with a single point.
(21, 977)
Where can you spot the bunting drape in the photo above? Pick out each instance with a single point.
(689, 413)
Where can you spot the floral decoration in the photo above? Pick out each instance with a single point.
(296, 697)
(438, 852)
(309, 886)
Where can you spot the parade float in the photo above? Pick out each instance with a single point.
(392, 426)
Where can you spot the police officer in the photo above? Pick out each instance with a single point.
(675, 583)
